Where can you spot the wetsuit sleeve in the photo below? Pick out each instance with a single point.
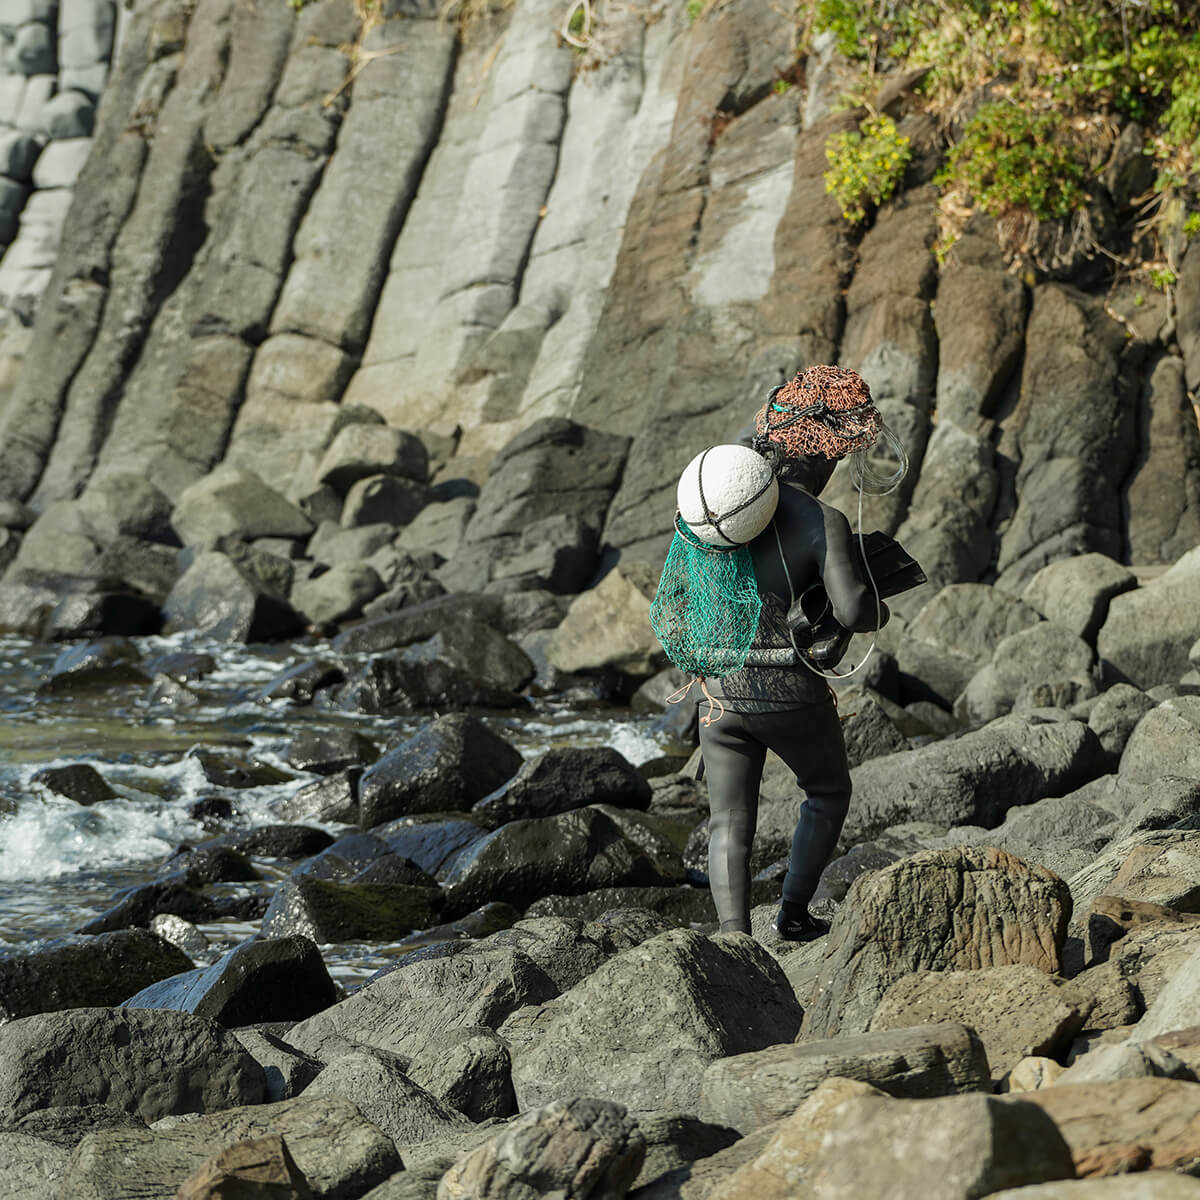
(850, 593)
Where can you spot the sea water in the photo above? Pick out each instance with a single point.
(62, 864)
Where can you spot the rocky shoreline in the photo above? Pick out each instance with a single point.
(1006, 997)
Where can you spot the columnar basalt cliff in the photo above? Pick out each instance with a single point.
(571, 268)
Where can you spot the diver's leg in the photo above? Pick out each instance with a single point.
(733, 763)
(810, 742)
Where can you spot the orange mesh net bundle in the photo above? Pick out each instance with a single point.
(823, 410)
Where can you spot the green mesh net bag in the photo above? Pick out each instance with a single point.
(705, 612)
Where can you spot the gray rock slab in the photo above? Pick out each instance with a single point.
(375, 1082)
(406, 1009)
(32, 1167)
(747, 1091)
(1150, 1185)
(337, 1150)
(955, 634)
(1042, 665)
(339, 594)
(235, 503)
(117, 1056)
(1075, 592)
(642, 1027)
(342, 244)
(1163, 493)
(974, 779)
(1148, 632)
(1166, 741)
(571, 1148)
(1177, 1006)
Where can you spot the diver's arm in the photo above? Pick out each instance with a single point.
(850, 593)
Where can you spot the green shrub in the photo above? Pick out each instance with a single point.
(865, 167)
(1009, 158)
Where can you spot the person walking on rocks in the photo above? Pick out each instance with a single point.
(777, 699)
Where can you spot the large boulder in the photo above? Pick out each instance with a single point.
(1045, 665)
(955, 635)
(560, 780)
(1166, 741)
(408, 1009)
(363, 450)
(263, 979)
(942, 1149)
(1148, 632)
(1131, 1125)
(85, 972)
(608, 626)
(450, 764)
(375, 1082)
(940, 910)
(235, 502)
(335, 1148)
(150, 1064)
(1075, 592)
(641, 1028)
(526, 860)
(326, 910)
(1017, 1011)
(572, 1148)
(974, 779)
(217, 597)
(747, 1091)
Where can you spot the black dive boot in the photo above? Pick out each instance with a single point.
(795, 924)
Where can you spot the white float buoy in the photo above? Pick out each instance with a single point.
(727, 495)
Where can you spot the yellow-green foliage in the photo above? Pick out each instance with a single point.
(1051, 62)
(1009, 158)
(865, 166)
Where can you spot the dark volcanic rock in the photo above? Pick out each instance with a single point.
(676, 905)
(275, 841)
(327, 911)
(217, 597)
(452, 763)
(210, 864)
(332, 798)
(85, 972)
(263, 979)
(410, 681)
(525, 860)
(79, 782)
(432, 840)
(418, 623)
(326, 752)
(174, 894)
(151, 1064)
(299, 684)
(110, 662)
(560, 780)
(641, 1029)
(67, 1126)
(223, 771)
(974, 779)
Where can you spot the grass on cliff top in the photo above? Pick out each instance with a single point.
(1033, 93)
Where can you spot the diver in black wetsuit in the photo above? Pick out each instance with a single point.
(785, 706)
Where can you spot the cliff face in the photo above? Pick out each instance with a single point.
(287, 217)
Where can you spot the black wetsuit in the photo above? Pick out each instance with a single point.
(787, 709)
